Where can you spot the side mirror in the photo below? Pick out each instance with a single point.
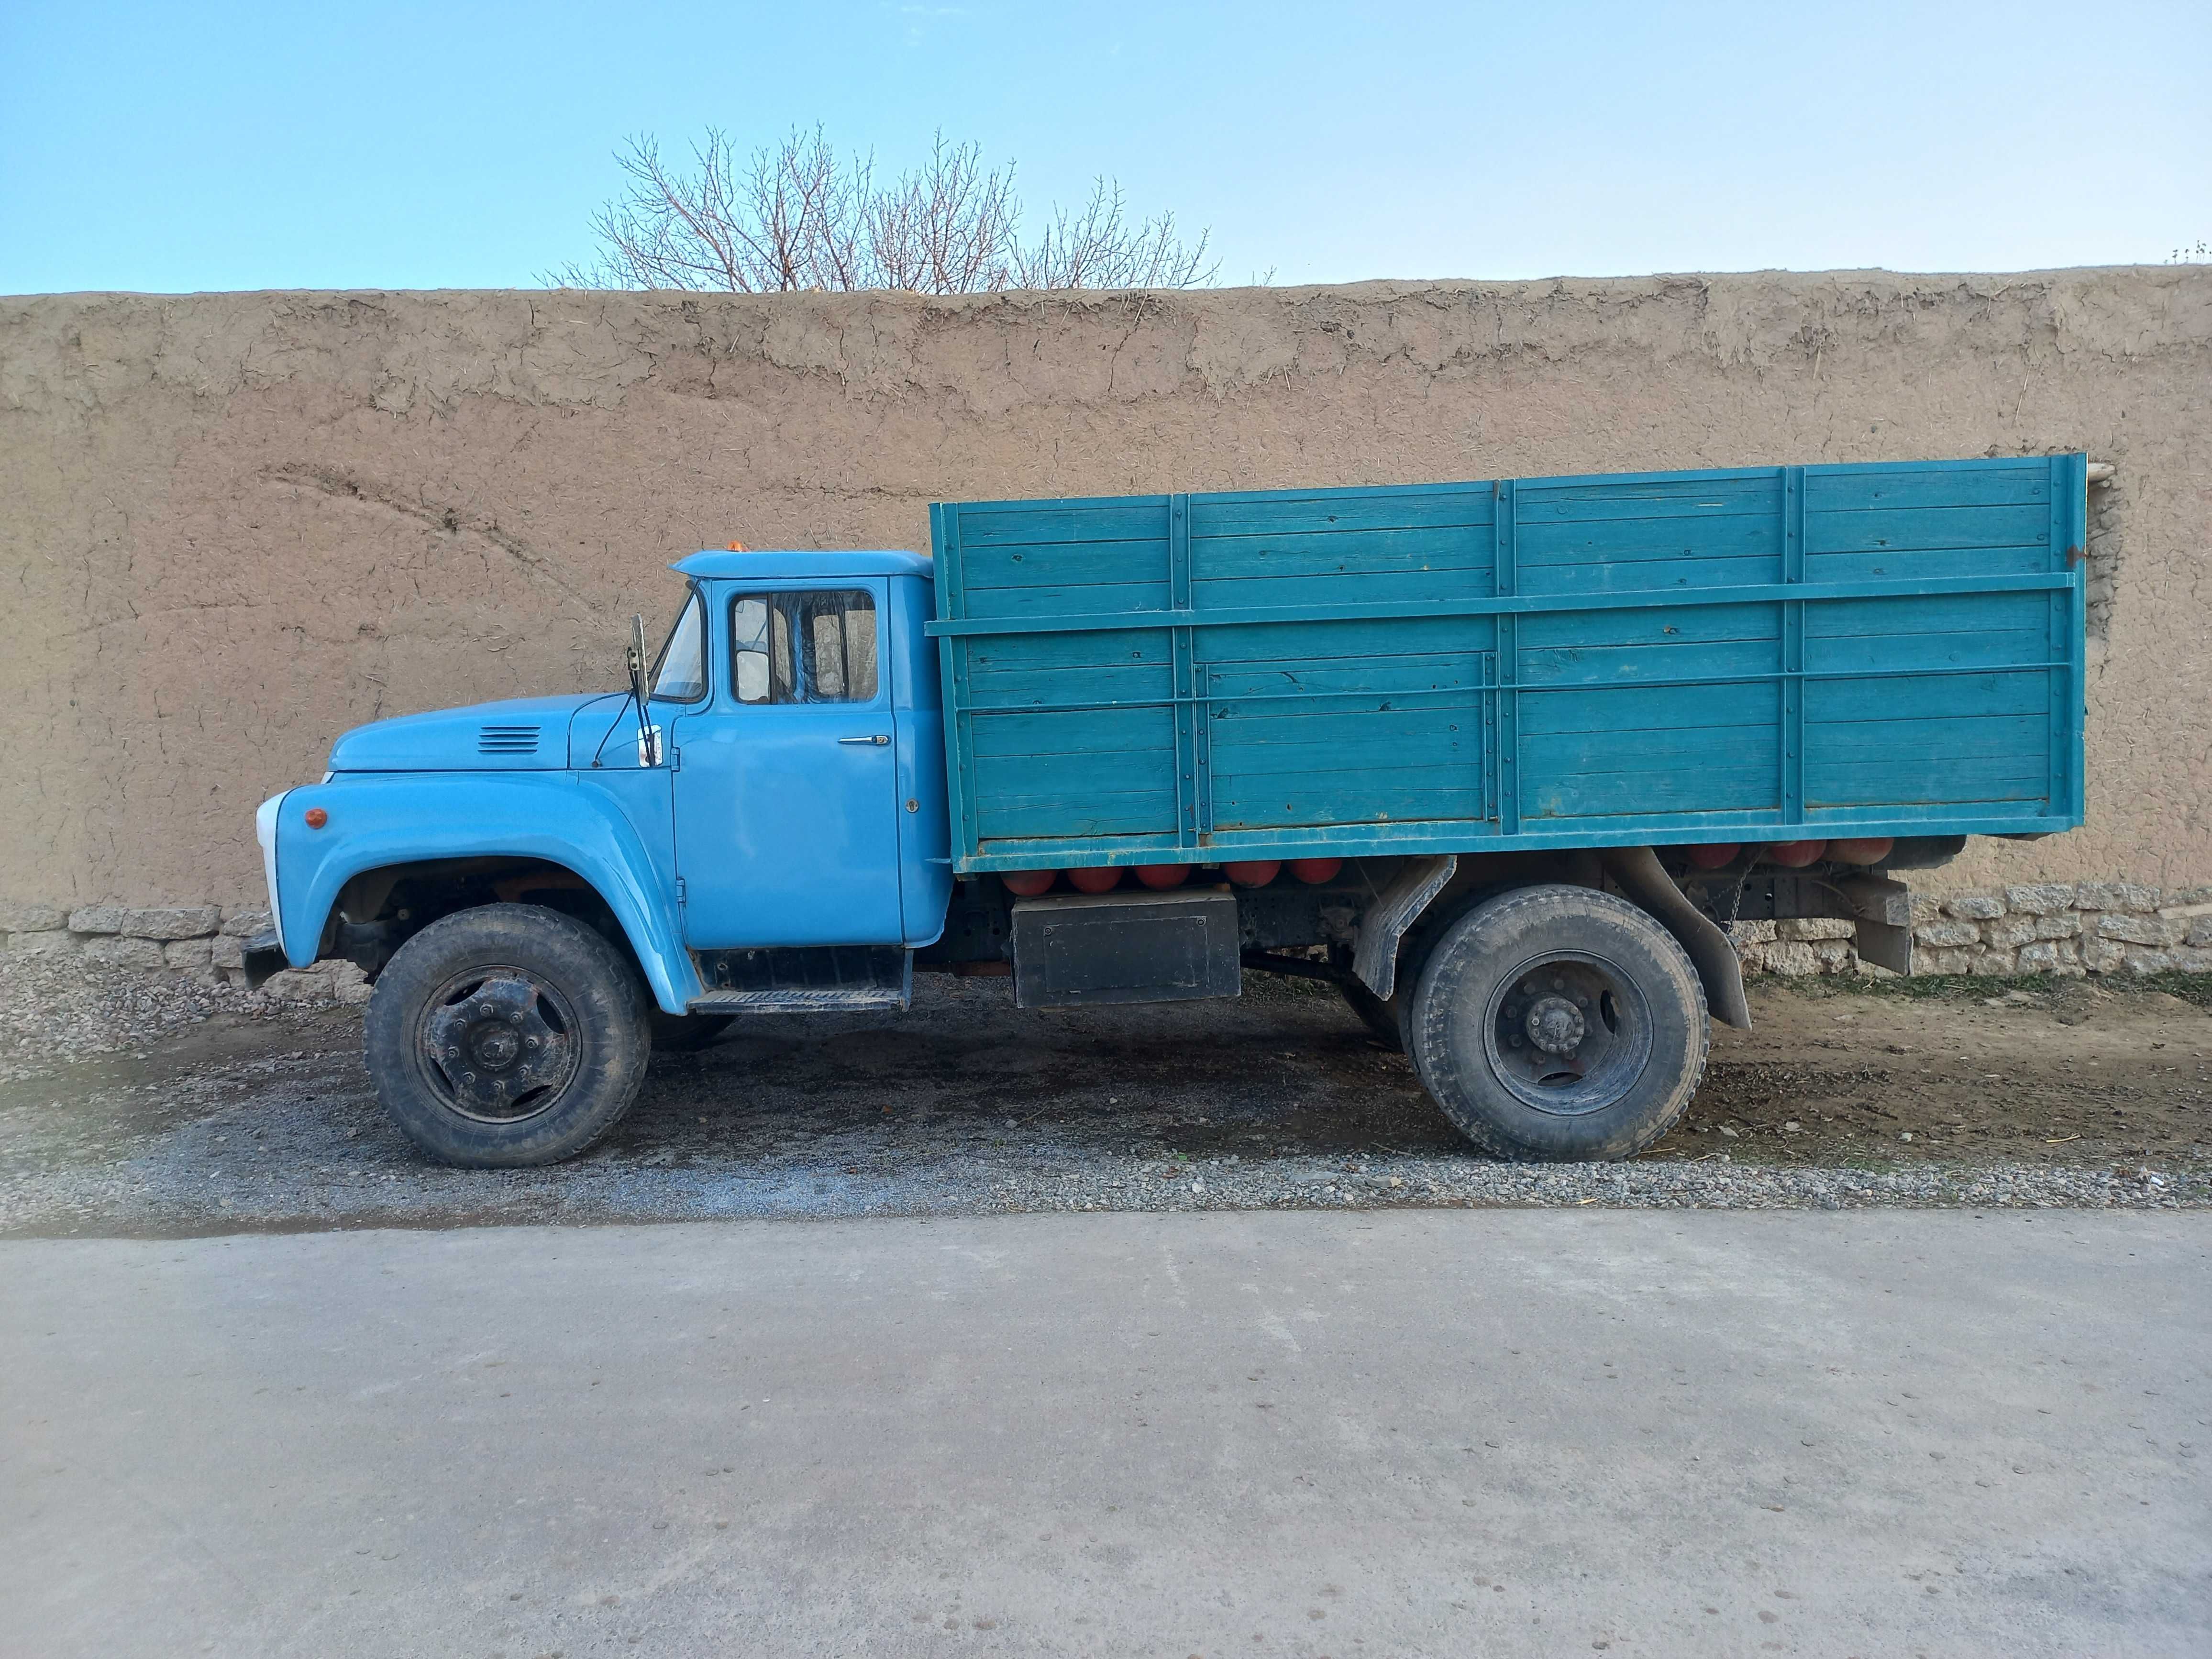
(648, 735)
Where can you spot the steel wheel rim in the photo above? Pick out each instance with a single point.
(498, 1044)
(1584, 1033)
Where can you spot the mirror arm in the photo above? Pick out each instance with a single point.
(647, 748)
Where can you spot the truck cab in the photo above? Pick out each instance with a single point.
(806, 753)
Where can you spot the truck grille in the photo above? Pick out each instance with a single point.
(506, 740)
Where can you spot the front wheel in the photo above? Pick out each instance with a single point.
(1559, 1023)
(507, 1035)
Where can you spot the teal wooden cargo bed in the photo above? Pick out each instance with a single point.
(1757, 654)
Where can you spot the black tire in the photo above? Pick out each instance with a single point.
(507, 1035)
(684, 1034)
(1381, 1017)
(1559, 1023)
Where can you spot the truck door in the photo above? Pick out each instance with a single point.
(787, 781)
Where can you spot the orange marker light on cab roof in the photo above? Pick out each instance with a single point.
(735, 547)
(316, 817)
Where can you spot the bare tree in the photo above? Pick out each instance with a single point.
(792, 216)
(948, 226)
(1099, 248)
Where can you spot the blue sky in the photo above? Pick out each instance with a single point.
(208, 146)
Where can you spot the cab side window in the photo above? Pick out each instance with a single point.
(803, 648)
(760, 648)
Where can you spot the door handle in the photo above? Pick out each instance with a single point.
(879, 740)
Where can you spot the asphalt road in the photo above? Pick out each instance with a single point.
(1434, 1432)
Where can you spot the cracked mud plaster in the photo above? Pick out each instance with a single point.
(232, 525)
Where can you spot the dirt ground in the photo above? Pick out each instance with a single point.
(1962, 1093)
(2062, 1074)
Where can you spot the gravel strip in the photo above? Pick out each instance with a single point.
(60, 1010)
(238, 1113)
(147, 1198)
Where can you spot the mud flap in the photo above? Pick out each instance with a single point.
(1637, 872)
(262, 956)
(1881, 909)
(1375, 958)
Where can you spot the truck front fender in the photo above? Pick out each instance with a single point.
(371, 822)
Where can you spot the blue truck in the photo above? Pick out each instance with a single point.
(1500, 760)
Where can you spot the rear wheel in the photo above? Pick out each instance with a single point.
(507, 1035)
(1559, 1023)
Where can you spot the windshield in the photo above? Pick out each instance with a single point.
(680, 676)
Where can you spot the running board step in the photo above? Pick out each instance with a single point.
(825, 978)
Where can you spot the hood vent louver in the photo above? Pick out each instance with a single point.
(506, 740)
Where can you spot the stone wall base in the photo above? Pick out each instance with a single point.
(2066, 929)
(204, 941)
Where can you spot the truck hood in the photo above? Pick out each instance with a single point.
(523, 734)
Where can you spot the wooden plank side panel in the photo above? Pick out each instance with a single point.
(1957, 519)
(1973, 630)
(1343, 641)
(1930, 777)
(1085, 599)
(1754, 491)
(1643, 710)
(1111, 772)
(1096, 813)
(1099, 557)
(1068, 564)
(1338, 552)
(1673, 642)
(2018, 481)
(1016, 671)
(1133, 519)
(1286, 512)
(1415, 679)
(1331, 724)
(1391, 547)
(1620, 751)
(1277, 737)
(1618, 541)
(1018, 734)
(1925, 740)
(1638, 535)
(1337, 798)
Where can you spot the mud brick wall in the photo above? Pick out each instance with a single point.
(232, 525)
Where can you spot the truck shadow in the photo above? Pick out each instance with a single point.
(1281, 1071)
